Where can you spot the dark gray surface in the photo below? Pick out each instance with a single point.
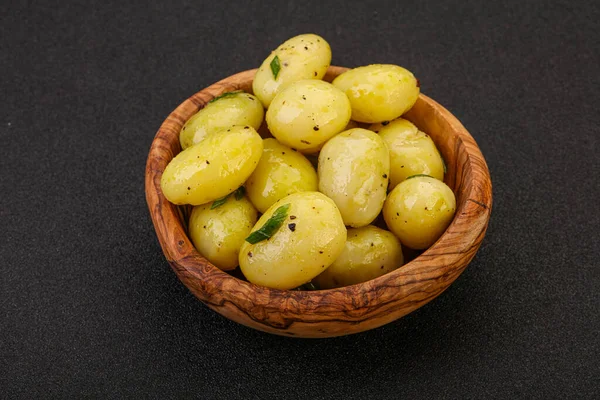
(88, 304)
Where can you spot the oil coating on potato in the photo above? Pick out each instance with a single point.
(308, 113)
(214, 168)
(281, 171)
(231, 109)
(412, 152)
(419, 210)
(369, 252)
(311, 238)
(378, 92)
(302, 57)
(353, 171)
(218, 234)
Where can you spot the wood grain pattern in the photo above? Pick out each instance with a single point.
(333, 312)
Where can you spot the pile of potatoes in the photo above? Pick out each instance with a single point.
(299, 208)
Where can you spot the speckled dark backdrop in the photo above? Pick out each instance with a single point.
(90, 308)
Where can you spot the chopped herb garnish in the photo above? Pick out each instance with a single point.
(239, 193)
(309, 286)
(226, 94)
(417, 175)
(219, 202)
(270, 227)
(275, 67)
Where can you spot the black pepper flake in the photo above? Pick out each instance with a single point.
(315, 128)
(384, 176)
(315, 73)
(398, 214)
(189, 188)
(246, 127)
(303, 97)
(305, 48)
(320, 251)
(402, 166)
(183, 128)
(384, 123)
(292, 217)
(372, 244)
(292, 227)
(382, 267)
(250, 254)
(305, 141)
(208, 162)
(204, 226)
(418, 83)
(283, 152)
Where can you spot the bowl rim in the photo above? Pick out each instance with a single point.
(230, 295)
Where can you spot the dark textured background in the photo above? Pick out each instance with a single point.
(90, 308)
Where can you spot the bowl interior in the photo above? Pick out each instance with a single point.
(344, 310)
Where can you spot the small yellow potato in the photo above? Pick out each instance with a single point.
(219, 232)
(419, 210)
(311, 236)
(213, 168)
(412, 152)
(302, 57)
(353, 171)
(232, 108)
(308, 113)
(369, 252)
(281, 171)
(378, 92)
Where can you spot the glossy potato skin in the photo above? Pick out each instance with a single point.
(302, 57)
(308, 113)
(214, 168)
(412, 152)
(291, 258)
(353, 171)
(419, 210)
(281, 171)
(235, 109)
(369, 252)
(218, 234)
(378, 92)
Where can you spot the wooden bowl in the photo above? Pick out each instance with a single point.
(333, 312)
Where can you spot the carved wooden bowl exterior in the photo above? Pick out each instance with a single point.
(333, 312)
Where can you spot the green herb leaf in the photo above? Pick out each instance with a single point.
(275, 67)
(443, 161)
(271, 226)
(226, 94)
(417, 175)
(239, 193)
(219, 202)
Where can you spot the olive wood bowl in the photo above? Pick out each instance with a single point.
(333, 312)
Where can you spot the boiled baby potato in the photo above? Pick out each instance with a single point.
(302, 57)
(419, 210)
(309, 235)
(412, 152)
(353, 171)
(219, 230)
(369, 252)
(308, 113)
(378, 92)
(231, 108)
(281, 171)
(213, 168)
